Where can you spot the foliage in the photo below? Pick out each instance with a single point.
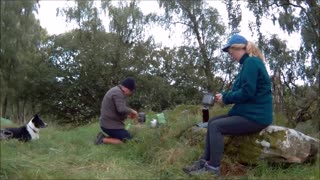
(296, 16)
(65, 76)
(234, 14)
(80, 81)
(203, 29)
(24, 72)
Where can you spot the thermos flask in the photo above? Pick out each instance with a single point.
(205, 114)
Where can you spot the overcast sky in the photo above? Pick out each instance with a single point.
(57, 25)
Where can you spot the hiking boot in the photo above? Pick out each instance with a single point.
(99, 139)
(195, 166)
(207, 169)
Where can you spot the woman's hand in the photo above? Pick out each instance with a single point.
(218, 98)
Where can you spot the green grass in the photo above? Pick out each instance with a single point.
(154, 153)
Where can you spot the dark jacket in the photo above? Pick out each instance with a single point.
(114, 109)
(251, 92)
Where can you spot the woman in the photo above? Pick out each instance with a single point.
(252, 110)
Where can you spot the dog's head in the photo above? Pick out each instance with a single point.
(38, 122)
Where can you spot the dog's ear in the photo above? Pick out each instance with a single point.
(36, 116)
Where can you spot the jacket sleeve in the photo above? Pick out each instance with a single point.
(248, 85)
(121, 104)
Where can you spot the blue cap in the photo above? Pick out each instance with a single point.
(235, 39)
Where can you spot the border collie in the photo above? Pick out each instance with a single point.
(25, 133)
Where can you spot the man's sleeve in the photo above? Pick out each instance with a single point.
(121, 104)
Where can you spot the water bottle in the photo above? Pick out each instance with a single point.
(205, 114)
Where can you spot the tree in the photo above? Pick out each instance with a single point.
(90, 60)
(297, 16)
(21, 38)
(234, 14)
(202, 25)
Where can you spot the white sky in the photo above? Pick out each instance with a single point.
(57, 25)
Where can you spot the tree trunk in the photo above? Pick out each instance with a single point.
(318, 95)
(4, 106)
(277, 92)
(206, 65)
(23, 110)
(18, 112)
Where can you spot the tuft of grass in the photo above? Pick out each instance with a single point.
(154, 153)
(266, 170)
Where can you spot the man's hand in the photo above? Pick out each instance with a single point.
(133, 114)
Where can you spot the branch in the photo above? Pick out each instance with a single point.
(288, 3)
(288, 86)
(179, 22)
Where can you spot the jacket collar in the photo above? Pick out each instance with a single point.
(121, 89)
(245, 56)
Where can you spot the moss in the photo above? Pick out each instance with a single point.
(245, 149)
(274, 138)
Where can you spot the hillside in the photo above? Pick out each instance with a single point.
(155, 153)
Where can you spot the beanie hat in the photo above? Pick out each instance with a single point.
(235, 39)
(129, 83)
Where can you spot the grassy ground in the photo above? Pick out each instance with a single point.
(155, 153)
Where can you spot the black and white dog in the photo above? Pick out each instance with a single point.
(24, 133)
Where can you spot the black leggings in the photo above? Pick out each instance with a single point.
(226, 125)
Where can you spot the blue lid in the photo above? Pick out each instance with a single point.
(235, 39)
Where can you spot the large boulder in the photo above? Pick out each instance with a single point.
(275, 144)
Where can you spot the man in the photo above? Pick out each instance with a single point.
(113, 113)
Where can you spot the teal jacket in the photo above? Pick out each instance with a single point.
(251, 92)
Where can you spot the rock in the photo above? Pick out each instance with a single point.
(274, 144)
